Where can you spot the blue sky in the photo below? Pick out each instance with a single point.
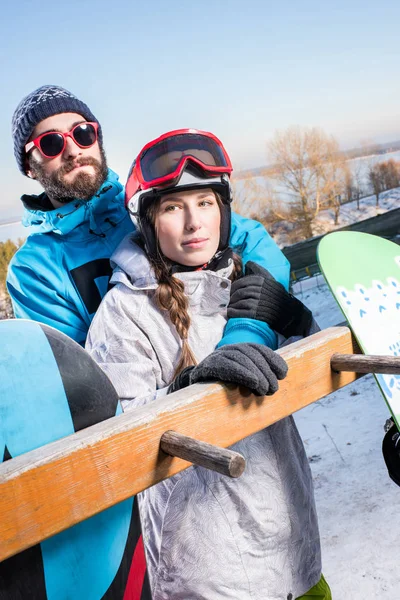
(240, 69)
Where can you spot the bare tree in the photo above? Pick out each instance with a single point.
(255, 197)
(358, 171)
(376, 180)
(248, 196)
(338, 183)
(301, 158)
(391, 174)
(349, 183)
(384, 176)
(241, 202)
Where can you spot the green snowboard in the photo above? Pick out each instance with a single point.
(363, 273)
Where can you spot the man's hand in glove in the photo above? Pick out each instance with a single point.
(253, 366)
(257, 295)
(391, 450)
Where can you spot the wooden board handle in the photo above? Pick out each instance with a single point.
(359, 363)
(52, 488)
(202, 454)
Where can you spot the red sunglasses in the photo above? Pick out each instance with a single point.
(52, 143)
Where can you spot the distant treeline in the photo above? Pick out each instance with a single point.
(360, 152)
(7, 251)
(371, 149)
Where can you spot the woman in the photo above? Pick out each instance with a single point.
(206, 536)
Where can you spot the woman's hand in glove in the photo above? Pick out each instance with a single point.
(254, 366)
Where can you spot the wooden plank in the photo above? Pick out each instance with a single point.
(52, 488)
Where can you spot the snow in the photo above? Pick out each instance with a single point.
(356, 499)
(349, 213)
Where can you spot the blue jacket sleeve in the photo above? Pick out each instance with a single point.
(251, 241)
(35, 298)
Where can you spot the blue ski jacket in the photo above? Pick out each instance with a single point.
(61, 273)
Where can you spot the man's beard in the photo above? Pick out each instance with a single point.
(83, 187)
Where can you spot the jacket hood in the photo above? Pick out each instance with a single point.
(64, 219)
(131, 264)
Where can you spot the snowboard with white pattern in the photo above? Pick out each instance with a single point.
(363, 273)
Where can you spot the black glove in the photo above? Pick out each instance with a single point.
(181, 381)
(391, 450)
(257, 295)
(253, 366)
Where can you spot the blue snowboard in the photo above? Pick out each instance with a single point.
(50, 388)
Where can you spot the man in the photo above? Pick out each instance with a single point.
(61, 273)
(58, 277)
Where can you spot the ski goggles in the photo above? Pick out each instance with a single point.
(162, 161)
(52, 143)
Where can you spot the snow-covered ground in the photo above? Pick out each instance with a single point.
(356, 500)
(349, 213)
(252, 197)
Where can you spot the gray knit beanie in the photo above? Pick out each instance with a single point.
(44, 102)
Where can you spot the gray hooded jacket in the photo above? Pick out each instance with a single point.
(207, 536)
